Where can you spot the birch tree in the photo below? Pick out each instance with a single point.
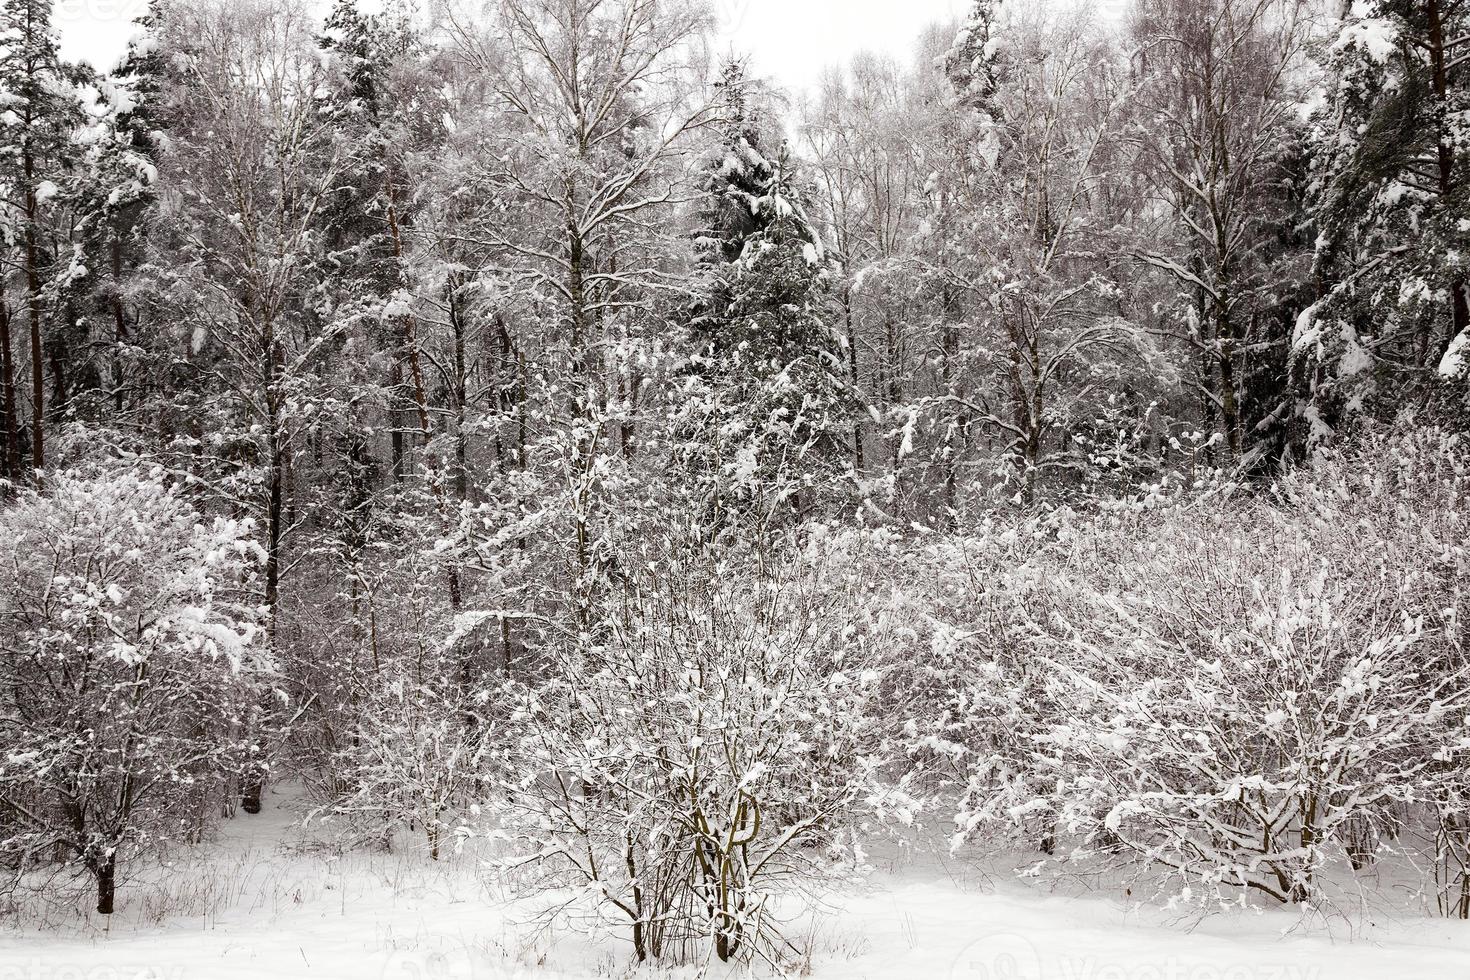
(1219, 90)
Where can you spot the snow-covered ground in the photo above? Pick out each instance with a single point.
(266, 906)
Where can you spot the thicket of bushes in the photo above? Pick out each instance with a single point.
(1230, 690)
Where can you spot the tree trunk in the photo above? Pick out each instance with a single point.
(951, 344)
(1301, 885)
(409, 336)
(461, 396)
(505, 391)
(577, 290)
(395, 421)
(275, 507)
(852, 370)
(105, 871)
(60, 357)
(252, 780)
(1445, 152)
(1229, 402)
(10, 426)
(33, 290)
(120, 326)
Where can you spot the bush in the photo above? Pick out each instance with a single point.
(699, 753)
(126, 659)
(1238, 711)
(1234, 688)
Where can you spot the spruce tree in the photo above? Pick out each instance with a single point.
(736, 174)
(976, 64)
(764, 347)
(1391, 209)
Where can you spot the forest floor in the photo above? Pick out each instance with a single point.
(265, 903)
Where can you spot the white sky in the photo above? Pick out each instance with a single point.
(790, 41)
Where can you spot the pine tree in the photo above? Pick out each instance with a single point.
(774, 308)
(750, 205)
(35, 119)
(113, 188)
(367, 218)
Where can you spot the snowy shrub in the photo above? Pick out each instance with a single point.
(1238, 692)
(1394, 504)
(696, 755)
(946, 618)
(1245, 689)
(414, 757)
(1235, 748)
(124, 665)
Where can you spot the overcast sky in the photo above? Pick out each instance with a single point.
(96, 30)
(790, 41)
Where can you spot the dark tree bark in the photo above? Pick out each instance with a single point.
(119, 326)
(106, 873)
(33, 304)
(858, 462)
(9, 421)
(461, 397)
(1445, 157)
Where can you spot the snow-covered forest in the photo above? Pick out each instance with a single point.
(515, 442)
